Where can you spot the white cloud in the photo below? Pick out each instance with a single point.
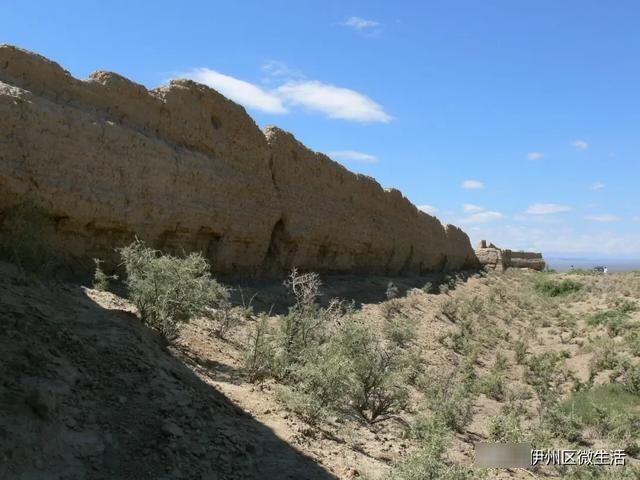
(362, 25)
(565, 240)
(430, 209)
(330, 100)
(245, 93)
(535, 155)
(482, 217)
(580, 144)
(602, 218)
(469, 208)
(279, 70)
(597, 186)
(334, 102)
(472, 184)
(354, 156)
(547, 208)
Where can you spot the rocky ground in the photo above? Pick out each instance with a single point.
(88, 392)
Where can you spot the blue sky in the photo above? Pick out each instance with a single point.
(517, 120)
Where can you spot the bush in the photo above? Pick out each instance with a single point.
(616, 320)
(100, 279)
(554, 288)
(430, 461)
(401, 331)
(449, 400)
(260, 352)
(378, 372)
(506, 428)
(168, 290)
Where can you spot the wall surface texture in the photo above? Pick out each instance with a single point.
(184, 168)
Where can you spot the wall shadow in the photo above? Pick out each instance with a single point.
(270, 295)
(88, 392)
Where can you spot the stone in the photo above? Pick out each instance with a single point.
(186, 169)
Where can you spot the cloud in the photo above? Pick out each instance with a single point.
(275, 70)
(546, 209)
(354, 156)
(564, 240)
(482, 217)
(580, 144)
(602, 218)
(430, 209)
(239, 91)
(535, 155)
(597, 186)
(330, 100)
(334, 102)
(362, 25)
(472, 184)
(469, 208)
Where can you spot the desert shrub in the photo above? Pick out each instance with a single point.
(628, 375)
(606, 356)
(401, 331)
(492, 385)
(303, 404)
(541, 374)
(100, 279)
(610, 409)
(392, 291)
(377, 370)
(168, 290)
(260, 352)
(563, 423)
(304, 321)
(520, 348)
(430, 461)
(27, 232)
(556, 288)
(449, 399)
(505, 428)
(616, 320)
(391, 308)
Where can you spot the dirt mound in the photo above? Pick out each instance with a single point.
(87, 392)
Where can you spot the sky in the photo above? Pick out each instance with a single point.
(519, 121)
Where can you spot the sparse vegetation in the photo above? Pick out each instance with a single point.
(556, 288)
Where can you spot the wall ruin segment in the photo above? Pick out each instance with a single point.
(182, 167)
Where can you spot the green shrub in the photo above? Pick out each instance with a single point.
(100, 279)
(260, 353)
(616, 320)
(449, 398)
(541, 374)
(378, 372)
(565, 424)
(430, 461)
(555, 288)
(401, 331)
(505, 428)
(168, 290)
(520, 348)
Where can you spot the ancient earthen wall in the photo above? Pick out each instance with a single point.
(182, 167)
